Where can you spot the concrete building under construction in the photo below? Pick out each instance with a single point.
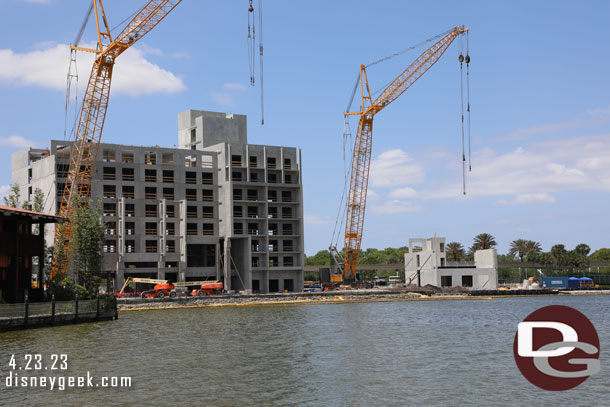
(427, 264)
(214, 208)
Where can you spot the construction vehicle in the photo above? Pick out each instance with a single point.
(208, 288)
(165, 288)
(93, 111)
(361, 157)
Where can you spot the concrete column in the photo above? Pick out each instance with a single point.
(227, 264)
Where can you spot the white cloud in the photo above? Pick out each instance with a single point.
(133, 74)
(597, 115)
(14, 140)
(395, 206)
(372, 196)
(394, 168)
(560, 165)
(317, 220)
(227, 96)
(526, 199)
(402, 193)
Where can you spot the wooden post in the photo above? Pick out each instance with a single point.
(27, 311)
(76, 309)
(97, 309)
(52, 309)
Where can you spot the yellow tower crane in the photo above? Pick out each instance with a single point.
(93, 111)
(361, 158)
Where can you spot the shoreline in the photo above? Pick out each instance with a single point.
(307, 299)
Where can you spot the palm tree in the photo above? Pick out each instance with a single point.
(533, 246)
(518, 247)
(455, 251)
(483, 241)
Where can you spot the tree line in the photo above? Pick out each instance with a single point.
(520, 250)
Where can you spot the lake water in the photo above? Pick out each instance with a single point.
(435, 353)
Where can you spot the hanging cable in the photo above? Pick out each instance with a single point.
(251, 42)
(461, 59)
(408, 49)
(467, 59)
(260, 42)
(69, 79)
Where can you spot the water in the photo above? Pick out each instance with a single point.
(384, 354)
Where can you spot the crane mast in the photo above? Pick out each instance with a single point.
(93, 112)
(361, 158)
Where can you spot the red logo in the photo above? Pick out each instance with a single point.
(556, 348)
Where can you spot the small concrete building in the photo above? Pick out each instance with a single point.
(430, 266)
(214, 208)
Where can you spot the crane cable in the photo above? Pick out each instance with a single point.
(395, 54)
(467, 59)
(347, 175)
(251, 42)
(461, 59)
(260, 46)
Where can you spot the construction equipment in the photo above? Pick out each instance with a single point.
(93, 112)
(208, 288)
(165, 288)
(361, 158)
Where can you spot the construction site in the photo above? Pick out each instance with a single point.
(215, 208)
(214, 214)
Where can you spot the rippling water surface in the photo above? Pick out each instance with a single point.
(362, 354)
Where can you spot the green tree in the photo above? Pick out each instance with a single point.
(483, 241)
(602, 254)
(533, 246)
(519, 248)
(87, 245)
(455, 251)
(38, 203)
(321, 258)
(558, 252)
(582, 249)
(14, 196)
(545, 259)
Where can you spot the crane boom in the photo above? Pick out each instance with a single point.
(361, 158)
(93, 112)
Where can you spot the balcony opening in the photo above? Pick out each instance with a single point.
(150, 158)
(207, 178)
(191, 177)
(128, 192)
(270, 162)
(191, 194)
(127, 157)
(150, 175)
(110, 173)
(207, 195)
(151, 246)
(168, 176)
(150, 193)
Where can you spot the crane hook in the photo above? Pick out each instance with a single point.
(467, 59)
(461, 58)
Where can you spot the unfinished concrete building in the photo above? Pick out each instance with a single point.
(214, 208)
(427, 264)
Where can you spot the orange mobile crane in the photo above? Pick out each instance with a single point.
(361, 158)
(93, 112)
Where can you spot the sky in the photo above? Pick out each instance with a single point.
(539, 86)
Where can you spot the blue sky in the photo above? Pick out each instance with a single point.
(539, 96)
